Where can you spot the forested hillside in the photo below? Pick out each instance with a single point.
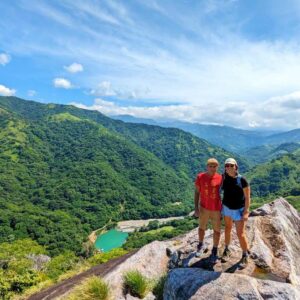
(264, 153)
(279, 177)
(66, 171)
(230, 138)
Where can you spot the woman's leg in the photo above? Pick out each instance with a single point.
(240, 231)
(228, 227)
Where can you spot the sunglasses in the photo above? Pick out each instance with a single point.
(229, 166)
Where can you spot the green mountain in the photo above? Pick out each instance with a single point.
(264, 153)
(229, 138)
(284, 137)
(66, 171)
(279, 177)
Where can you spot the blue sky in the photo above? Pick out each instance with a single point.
(228, 62)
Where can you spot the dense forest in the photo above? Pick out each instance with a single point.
(265, 153)
(65, 171)
(278, 177)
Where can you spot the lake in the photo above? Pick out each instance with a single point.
(110, 240)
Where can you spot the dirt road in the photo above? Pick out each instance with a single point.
(66, 285)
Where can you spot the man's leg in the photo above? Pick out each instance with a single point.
(203, 220)
(216, 223)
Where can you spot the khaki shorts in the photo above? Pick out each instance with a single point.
(205, 215)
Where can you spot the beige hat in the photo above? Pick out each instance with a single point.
(212, 161)
(230, 161)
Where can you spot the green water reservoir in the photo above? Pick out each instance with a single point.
(110, 240)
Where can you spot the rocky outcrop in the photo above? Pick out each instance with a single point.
(273, 272)
(39, 261)
(151, 260)
(194, 283)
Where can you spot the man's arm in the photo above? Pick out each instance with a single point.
(247, 202)
(196, 202)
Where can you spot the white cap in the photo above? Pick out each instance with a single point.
(231, 161)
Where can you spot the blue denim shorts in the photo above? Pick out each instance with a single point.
(234, 214)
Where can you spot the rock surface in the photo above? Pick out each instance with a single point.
(194, 283)
(151, 260)
(39, 261)
(273, 233)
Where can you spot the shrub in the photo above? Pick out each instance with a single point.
(91, 289)
(136, 284)
(101, 258)
(60, 264)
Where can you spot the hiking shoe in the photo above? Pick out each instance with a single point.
(226, 255)
(213, 258)
(200, 250)
(244, 261)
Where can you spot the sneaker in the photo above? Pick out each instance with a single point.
(226, 255)
(200, 250)
(213, 258)
(244, 261)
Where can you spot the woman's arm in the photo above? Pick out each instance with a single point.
(246, 191)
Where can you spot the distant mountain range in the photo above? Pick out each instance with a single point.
(229, 138)
(264, 153)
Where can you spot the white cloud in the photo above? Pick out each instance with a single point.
(31, 93)
(62, 83)
(273, 113)
(74, 68)
(93, 10)
(219, 72)
(4, 59)
(5, 91)
(104, 89)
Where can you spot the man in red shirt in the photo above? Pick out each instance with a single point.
(208, 204)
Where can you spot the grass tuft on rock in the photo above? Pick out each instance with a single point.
(158, 288)
(136, 284)
(94, 288)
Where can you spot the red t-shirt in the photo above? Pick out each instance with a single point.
(209, 189)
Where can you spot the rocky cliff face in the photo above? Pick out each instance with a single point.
(273, 272)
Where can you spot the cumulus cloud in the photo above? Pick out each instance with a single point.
(5, 91)
(104, 89)
(74, 68)
(291, 100)
(62, 83)
(4, 59)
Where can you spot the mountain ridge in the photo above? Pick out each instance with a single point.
(64, 161)
(224, 136)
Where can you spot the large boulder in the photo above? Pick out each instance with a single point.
(151, 260)
(196, 283)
